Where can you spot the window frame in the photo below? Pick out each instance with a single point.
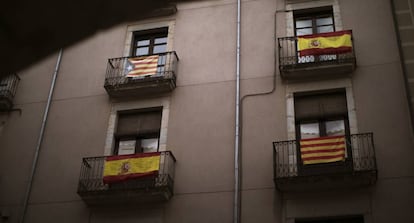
(314, 14)
(139, 136)
(151, 35)
(323, 168)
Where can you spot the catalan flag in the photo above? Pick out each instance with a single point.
(323, 150)
(121, 168)
(142, 66)
(325, 43)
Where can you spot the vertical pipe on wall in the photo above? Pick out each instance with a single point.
(239, 126)
(236, 208)
(40, 139)
(271, 91)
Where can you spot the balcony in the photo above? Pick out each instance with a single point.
(143, 190)
(358, 169)
(120, 83)
(294, 67)
(8, 87)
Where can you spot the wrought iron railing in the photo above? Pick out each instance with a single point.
(91, 177)
(116, 72)
(8, 86)
(289, 57)
(361, 146)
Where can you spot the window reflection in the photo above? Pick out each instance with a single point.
(325, 29)
(161, 40)
(149, 145)
(143, 43)
(324, 21)
(142, 51)
(160, 48)
(303, 23)
(335, 128)
(309, 130)
(305, 31)
(126, 147)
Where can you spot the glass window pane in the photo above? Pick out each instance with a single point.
(160, 49)
(335, 128)
(142, 51)
(325, 29)
(143, 42)
(161, 40)
(149, 145)
(309, 130)
(324, 21)
(303, 23)
(126, 147)
(306, 31)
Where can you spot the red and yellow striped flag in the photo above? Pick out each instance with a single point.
(121, 168)
(323, 150)
(325, 43)
(142, 66)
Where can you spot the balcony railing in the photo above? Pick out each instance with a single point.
(292, 66)
(119, 84)
(358, 169)
(8, 87)
(95, 192)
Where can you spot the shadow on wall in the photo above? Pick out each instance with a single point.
(31, 30)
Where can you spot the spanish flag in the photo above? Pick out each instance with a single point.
(142, 66)
(323, 150)
(325, 43)
(121, 168)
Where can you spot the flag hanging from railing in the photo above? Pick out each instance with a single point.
(121, 168)
(325, 43)
(323, 150)
(141, 66)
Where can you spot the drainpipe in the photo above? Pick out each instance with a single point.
(239, 121)
(40, 139)
(237, 193)
(274, 78)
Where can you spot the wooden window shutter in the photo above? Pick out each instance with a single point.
(320, 105)
(139, 123)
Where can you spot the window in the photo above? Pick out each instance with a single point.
(313, 21)
(322, 114)
(138, 131)
(150, 42)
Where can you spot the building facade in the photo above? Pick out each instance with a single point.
(164, 88)
(403, 12)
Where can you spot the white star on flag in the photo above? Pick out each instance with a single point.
(142, 66)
